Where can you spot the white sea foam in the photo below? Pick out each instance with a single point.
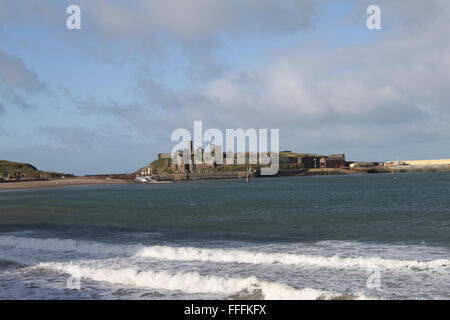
(193, 282)
(252, 257)
(222, 255)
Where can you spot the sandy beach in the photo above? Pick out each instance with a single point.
(60, 183)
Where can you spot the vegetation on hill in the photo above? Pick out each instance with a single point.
(156, 166)
(15, 171)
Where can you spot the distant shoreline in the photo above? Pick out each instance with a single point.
(29, 185)
(127, 179)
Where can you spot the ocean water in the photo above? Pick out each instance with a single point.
(383, 236)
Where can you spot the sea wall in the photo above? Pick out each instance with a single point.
(199, 176)
(419, 168)
(301, 172)
(281, 173)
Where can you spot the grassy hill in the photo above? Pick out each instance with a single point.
(15, 171)
(156, 166)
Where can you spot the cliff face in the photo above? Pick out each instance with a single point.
(15, 171)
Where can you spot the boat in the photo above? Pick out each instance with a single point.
(149, 179)
(144, 179)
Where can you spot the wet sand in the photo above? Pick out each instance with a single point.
(60, 183)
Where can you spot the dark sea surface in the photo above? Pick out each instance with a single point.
(323, 237)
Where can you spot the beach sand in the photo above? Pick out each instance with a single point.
(60, 183)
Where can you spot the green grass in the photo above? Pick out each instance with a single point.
(15, 171)
(157, 166)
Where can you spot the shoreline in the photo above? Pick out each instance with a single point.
(281, 173)
(167, 178)
(29, 185)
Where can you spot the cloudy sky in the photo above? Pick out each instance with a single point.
(106, 98)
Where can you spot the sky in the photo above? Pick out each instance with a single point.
(106, 98)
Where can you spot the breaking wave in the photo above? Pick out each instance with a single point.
(220, 255)
(252, 257)
(193, 282)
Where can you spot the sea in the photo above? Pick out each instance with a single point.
(379, 236)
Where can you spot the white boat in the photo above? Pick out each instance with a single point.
(149, 179)
(145, 179)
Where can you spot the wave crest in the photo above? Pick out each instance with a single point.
(221, 255)
(191, 282)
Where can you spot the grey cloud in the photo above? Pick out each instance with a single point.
(165, 98)
(103, 149)
(33, 12)
(195, 26)
(17, 81)
(149, 122)
(15, 74)
(14, 98)
(201, 22)
(162, 109)
(201, 19)
(71, 137)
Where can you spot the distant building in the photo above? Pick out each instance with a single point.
(337, 156)
(310, 162)
(333, 161)
(288, 160)
(164, 156)
(146, 171)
